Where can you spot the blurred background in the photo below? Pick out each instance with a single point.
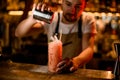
(33, 49)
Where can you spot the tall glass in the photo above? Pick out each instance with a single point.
(54, 55)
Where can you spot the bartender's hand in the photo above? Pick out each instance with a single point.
(42, 7)
(39, 9)
(66, 66)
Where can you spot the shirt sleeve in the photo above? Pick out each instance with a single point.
(89, 23)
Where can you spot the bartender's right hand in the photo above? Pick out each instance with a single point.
(40, 7)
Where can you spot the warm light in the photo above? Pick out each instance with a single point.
(110, 14)
(103, 14)
(96, 14)
(89, 12)
(18, 12)
(108, 75)
(15, 12)
(117, 14)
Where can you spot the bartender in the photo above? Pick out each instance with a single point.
(78, 32)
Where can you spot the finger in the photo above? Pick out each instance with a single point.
(34, 5)
(72, 69)
(61, 63)
(43, 7)
(61, 68)
(58, 70)
(39, 5)
(49, 9)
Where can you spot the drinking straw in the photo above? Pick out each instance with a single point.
(60, 34)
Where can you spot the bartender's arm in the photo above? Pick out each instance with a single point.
(87, 53)
(27, 27)
(71, 65)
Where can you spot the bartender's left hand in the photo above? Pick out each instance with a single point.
(67, 66)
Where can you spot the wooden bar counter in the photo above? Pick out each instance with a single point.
(22, 71)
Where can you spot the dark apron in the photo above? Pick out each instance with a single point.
(72, 43)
